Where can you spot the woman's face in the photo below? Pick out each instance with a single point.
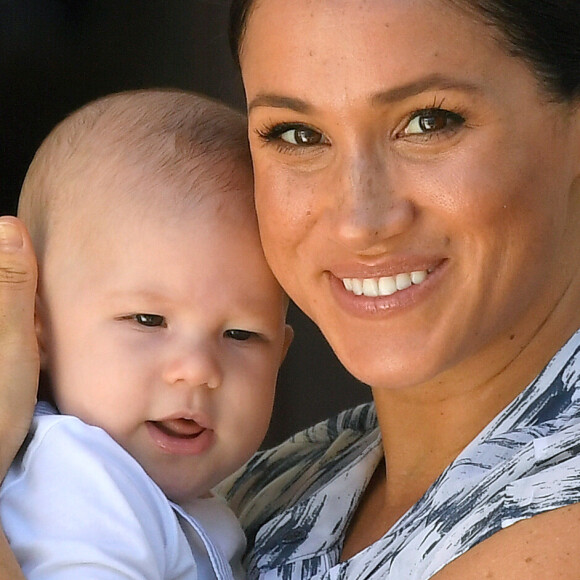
(416, 189)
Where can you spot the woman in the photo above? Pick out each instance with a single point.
(417, 170)
(417, 173)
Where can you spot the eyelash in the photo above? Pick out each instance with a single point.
(455, 120)
(273, 134)
(141, 319)
(239, 335)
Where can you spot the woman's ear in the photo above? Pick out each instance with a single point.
(576, 120)
(575, 189)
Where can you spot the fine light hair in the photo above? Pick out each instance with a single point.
(160, 147)
(543, 33)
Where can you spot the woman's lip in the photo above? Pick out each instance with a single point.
(180, 436)
(386, 269)
(371, 306)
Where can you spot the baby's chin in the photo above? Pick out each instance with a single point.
(188, 503)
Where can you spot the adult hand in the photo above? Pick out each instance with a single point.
(19, 361)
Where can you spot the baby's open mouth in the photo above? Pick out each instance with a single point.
(181, 428)
(182, 435)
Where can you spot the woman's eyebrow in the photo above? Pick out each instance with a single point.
(429, 83)
(389, 96)
(279, 102)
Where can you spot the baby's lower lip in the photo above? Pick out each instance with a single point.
(180, 436)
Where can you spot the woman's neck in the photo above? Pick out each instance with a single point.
(424, 428)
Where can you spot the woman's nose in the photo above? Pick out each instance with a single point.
(369, 208)
(193, 365)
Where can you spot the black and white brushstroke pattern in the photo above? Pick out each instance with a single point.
(295, 501)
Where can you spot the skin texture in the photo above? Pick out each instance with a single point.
(152, 326)
(381, 146)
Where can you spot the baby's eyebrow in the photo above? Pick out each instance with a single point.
(136, 293)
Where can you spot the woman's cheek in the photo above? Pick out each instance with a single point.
(284, 207)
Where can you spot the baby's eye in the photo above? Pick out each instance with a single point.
(237, 334)
(150, 320)
(429, 121)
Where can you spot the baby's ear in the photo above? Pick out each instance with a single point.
(40, 327)
(288, 337)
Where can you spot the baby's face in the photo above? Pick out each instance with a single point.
(167, 332)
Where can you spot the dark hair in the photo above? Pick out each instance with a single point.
(239, 14)
(544, 33)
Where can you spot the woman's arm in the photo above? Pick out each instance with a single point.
(18, 355)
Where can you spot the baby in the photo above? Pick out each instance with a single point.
(161, 331)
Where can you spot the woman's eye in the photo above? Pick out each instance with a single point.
(293, 135)
(430, 121)
(236, 334)
(150, 320)
(303, 136)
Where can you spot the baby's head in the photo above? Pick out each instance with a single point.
(157, 316)
(116, 150)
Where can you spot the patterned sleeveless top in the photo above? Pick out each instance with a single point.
(296, 500)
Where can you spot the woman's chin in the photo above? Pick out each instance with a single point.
(390, 367)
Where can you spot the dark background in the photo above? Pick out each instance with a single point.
(56, 55)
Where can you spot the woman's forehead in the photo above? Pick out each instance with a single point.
(344, 26)
(324, 49)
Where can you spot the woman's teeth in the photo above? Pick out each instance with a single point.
(384, 286)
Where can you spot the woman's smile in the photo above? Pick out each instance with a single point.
(463, 166)
(385, 285)
(372, 296)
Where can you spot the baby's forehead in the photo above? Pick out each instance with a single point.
(146, 152)
(151, 170)
(145, 221)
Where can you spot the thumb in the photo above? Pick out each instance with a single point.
(19, 362)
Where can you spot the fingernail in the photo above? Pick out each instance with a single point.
(10, 237)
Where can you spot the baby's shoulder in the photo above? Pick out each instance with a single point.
(62, 456)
